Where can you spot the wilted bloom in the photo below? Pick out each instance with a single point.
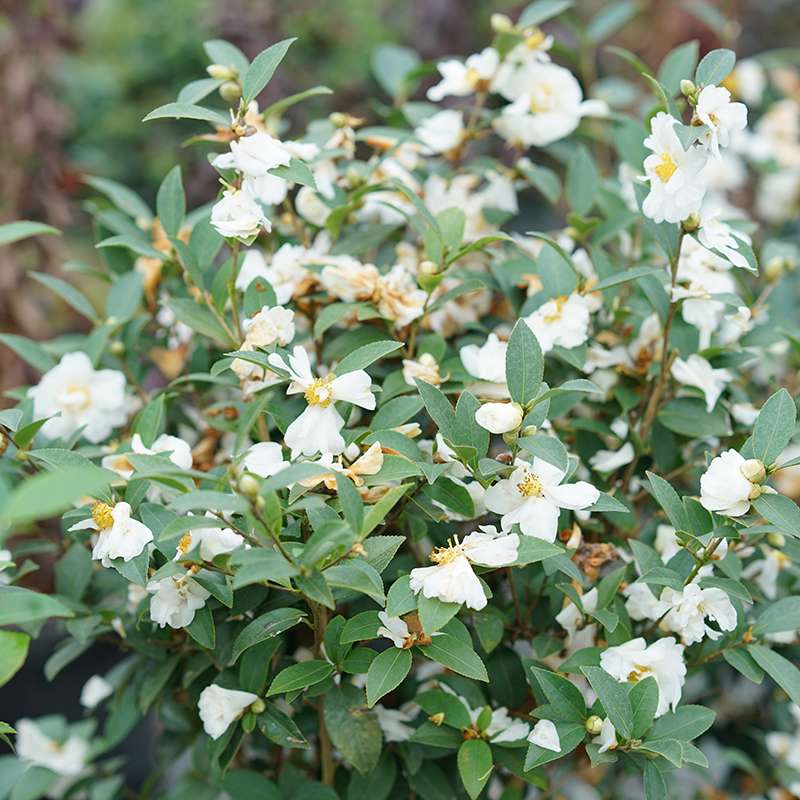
(533, 497)
(175, 600)
(396, 629)
(715, 109)
(607, 739)
(677, 187)
(237, 215)
(219, 707)
(563, 321)
(634, 660)
(75, 395)
(452, 580)
(545, 734)
(399, 298)
(425, 368)
(317, 428)
(66, 758)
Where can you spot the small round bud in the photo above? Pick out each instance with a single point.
(338, 119)
(3, 443)
(230, 91)
(249, 486)
(777, 267)
(529, 430)
(754, 470)
(594, 725)
(687, 88)
(427, 267)
(258, 706)
(261, 503)
(501, 23)
(117, 348)
(691, 223)
(222, 72)
(776, 539)
(112, 321)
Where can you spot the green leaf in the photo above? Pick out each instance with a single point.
(361, 627)
(774, 427)
(188, 111)
(18, 605)
(625, 275)
(29, 351)
(262, 69)
(780, 669)
(300, 676)
(125, 296)
(745, 663)
(199, 319)
(51, 493)
(434, 614)
(532, 550)
(386, 673)
(677, 65)
(783, 615)
(655, 784)
(390, 64)
(685, 723)
(474, 765)
(456, 655)
(614, 697)
(201, 628)
(524, 364)
(560, 692)
(221, 52)
(366, 355)
(688, 417)
(125, 199)
(439, 408)
(277, 108)
(68, 293)
(643, 697)
(358, 575)
(23, 229)
(782, 512)
(437, 701)
(207, 500)
(13, 652)
(296, 171)
(351, 502)
(670, 501)
(583, 181)
(353, 730)
(265, 627)
(281, 729)
(715, 67)
(542, 10)
(171, 202)
(244, 784)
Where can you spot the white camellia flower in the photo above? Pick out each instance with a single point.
(317, 428)
(502, 727)
(237, 215)
(499, 417)
(549, 108)
(219, 707)
(257, 154)
(486, 362)
(75, 395)
(119, 536)
(765, 571)
(399, 298)
(66, 758)
(175, 600)
(607, 738)
(441, 132)
(696, 371)
(460, 79)
(212, 541)
(663, 660)
(726, 486)
(95, 690)
(545, 734)
(563, 321)
(395, 723)
(264, 459)
(395, 629)
(269, 326)
(573, 621)
(677, 187)
(286, 271)
(610, 460)
(714, 234)
(452, 580)
(425, 368)
(533, 497)
(715, 109)
(689, 608)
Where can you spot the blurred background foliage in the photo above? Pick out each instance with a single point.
(79, 75)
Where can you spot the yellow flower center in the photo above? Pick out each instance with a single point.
(534, 39)
(185, 543)
(530, 485)
(638, 672)
(444, 555)
(122, 463)
(544, 100)
(559, 304)
(319, 393)
(102, 515)
(77, 398)
(666, 169)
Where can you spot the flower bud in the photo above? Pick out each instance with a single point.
(427, 267)
(777, 267)
(222, 72)
(230, 91)
(501, 23)
(117, 348)
(338, 119)
(437, 719)
(249, 486)
(594, 725)
(754, 470)
(687, 88)
(776, 539)
(529, 430)
(3, 443)
(691, 223)
(258, 706)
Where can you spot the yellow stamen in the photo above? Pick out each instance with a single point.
(560, 302)
(667, 168)
(534, 39)
(637, 673)
(318, 393)
(185, 543)
(444, 555)
(102, 515)
(530, 485)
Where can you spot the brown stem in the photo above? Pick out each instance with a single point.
(327, 765)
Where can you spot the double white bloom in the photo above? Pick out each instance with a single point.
(663, 660)
(563, 321)
(533, 496)
(317, 428)
(452, 580)
(237, 215)
(175, 600)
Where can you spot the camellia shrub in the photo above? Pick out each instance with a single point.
(382, 493)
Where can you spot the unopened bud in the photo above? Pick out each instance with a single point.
(687, 88)
(691, 223)
(754, 470)
(501, 23)
(594, 725)
(117, 348)
(258, 706)
(230, 91)
(776, 539)
(529, 430)
(776, 267)
(3, 443)
(249, 486)
(338, 119)
(222, 72)
(427, 267)
(261, 503)
(437, 719)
